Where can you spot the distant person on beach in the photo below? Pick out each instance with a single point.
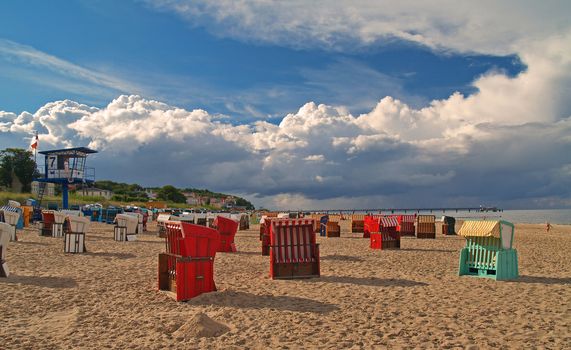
(547, 227)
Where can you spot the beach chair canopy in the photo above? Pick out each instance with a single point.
(14, 204)
(11, 215)
(489, 228)
(389, 221)
(426, 219)
(78, 224)
(164, 217)
(128, 221)
(69, 212)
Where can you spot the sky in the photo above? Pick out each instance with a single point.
(301, 105)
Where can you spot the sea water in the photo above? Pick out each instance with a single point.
(553, 216)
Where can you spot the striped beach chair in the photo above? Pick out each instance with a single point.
(357, 223)
(406, 225)
(386, 236)
(426, 226)
(294, 252)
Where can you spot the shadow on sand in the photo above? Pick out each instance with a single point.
(428, 250)
(112, 255)
(543, 280)
(245, 300)
(367, 281)
(41, 281)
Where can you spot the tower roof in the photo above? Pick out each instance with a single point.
(76, 151)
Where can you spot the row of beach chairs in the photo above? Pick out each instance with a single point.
(186, 267)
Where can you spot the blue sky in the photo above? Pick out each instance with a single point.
(168, 59)
(349, 89)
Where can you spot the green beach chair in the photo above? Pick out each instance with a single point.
(488, 251)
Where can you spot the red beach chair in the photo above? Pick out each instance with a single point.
(406, 225)
(47, 223)
(387, 236)
(370, 224)
(294, 252)
(187, 267)
(227, 229)
(265, 235)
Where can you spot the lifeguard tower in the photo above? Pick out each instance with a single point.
(65, 167)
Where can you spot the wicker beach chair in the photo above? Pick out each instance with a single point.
(426, 226)
(488, 251)
(227, 229)
(5, 233)
(294, 252)
(187, 267)
(126, 226)
(448, 225)
(406, 225)
(385, 235)
(357, 223)
(74, 234)
(12, 217)
(161, 220)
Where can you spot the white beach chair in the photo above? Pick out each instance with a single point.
(140, 218)
(11, 218)
(200, 219)
(59, 220)
(74, 241)
(126, 227)
(69, 212)
(5, 233)
(161, 220)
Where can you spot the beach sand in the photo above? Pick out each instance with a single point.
(413, 297)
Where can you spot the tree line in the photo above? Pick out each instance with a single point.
(18, 170)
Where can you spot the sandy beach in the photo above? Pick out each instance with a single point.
(408, 298)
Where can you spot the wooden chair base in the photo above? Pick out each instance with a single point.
(357, 226)
(185, 277)
(120, 234)
(295, 270)
(74, 242)
(426, 235)
(384, 241)
(4, 271)
(13, 236)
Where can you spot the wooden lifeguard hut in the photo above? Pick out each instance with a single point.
(65, 167)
